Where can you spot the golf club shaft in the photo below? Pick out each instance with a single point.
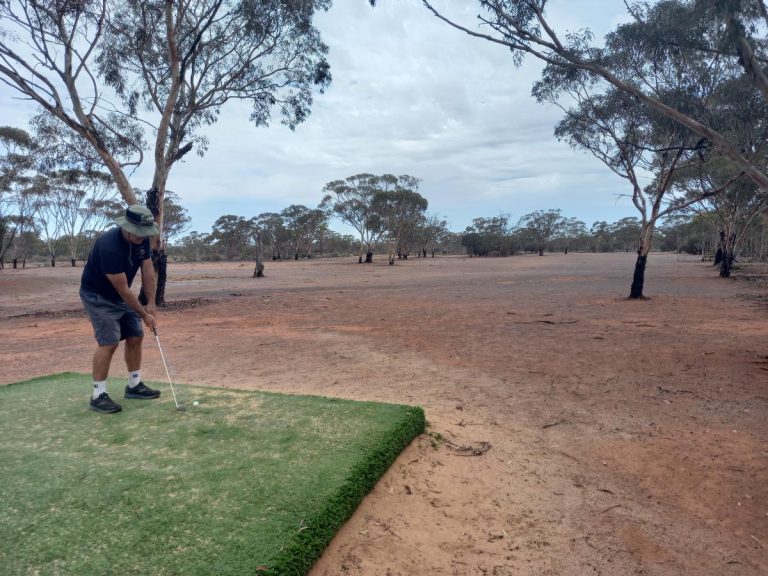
(167, 373)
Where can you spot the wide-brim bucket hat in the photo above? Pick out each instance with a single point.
(138, 220)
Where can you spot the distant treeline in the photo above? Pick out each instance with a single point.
(231, 238)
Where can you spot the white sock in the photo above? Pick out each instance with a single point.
(99, 387)
(134, 378)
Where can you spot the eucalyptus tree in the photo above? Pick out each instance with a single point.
(45, 215)
(626, 232)
(336, 244)
(631, 139)
(429, 234)
(273, 233)
(172, 64)
(543, 225)
(194, 246)
(705, 30)
(489, 236)
(601, 235)
(351, 201)
(74, 200)
(315, 226)
(233, 234)
(25, 225)
(733, 213)
(400, 209)
(739, 110)
(293, 216)
(18, 152)
(572, 231)
(303, 224)
(322, 235)
(755, 244)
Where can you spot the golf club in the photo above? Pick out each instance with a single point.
(177, 398)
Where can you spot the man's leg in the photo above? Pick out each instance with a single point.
(133, 353)
(105, 318)
(100, 400)
(135, 387)
(102, 358)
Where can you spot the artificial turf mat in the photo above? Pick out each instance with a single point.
(245, 483)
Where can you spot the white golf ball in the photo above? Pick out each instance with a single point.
(195, 403)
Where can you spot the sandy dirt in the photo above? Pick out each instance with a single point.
(626, 437)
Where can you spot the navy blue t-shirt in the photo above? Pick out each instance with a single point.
(112, 254)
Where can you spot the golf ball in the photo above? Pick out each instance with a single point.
(195, 403)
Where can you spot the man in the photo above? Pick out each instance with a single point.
(115, 311)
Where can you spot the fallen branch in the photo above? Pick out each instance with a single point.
(461, 450)
(552, 424)
(675, 391)
(545, 322)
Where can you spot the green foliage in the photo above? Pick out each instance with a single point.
(489, 237)
(244, 481)
(233, 234)
(351, 201)
(543, 225)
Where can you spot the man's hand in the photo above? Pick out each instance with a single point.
(151, 312)
(149, 320)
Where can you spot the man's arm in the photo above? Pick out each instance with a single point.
(149, 284)
(120, 282)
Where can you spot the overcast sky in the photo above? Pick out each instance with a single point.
(410, 95)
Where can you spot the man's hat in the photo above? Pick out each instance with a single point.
(138, 220)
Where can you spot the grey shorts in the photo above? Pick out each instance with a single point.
(112, 321)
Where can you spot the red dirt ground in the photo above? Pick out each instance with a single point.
(627, 437)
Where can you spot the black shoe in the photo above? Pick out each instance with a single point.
(104, 404)
(141, 392)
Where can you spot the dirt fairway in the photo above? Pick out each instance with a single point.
(571, 431)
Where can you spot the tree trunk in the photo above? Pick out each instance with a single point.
(159, 257)
(161, 263)
(369, 257)
(541, 249)
(721, 249)
(53, 261)
(638, 278)
(15, 263)
(73, 261)
(258, 271)
(729, 253)
(726, 264)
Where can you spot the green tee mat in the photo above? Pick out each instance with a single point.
(245, 483)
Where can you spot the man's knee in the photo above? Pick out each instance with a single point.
(108, 348)
(133, 341)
